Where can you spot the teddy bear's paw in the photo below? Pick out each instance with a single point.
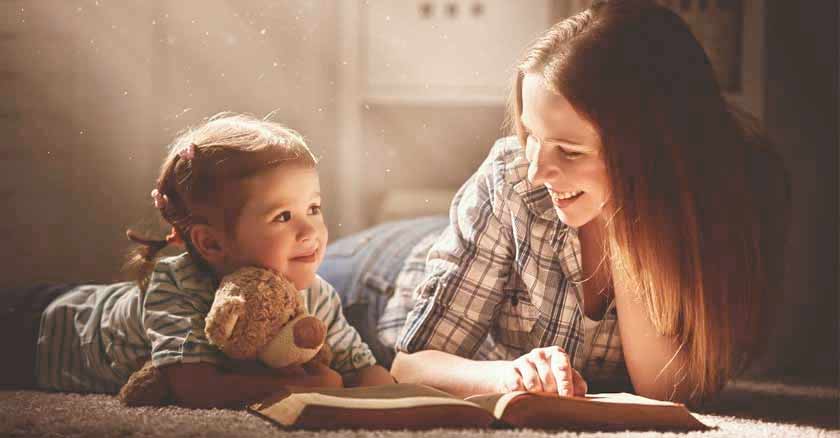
(309, 332)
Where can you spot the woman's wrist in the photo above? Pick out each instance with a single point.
(453, 374)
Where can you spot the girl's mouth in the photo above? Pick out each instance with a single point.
(306, 258)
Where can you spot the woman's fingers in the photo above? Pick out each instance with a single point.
(561, 367)
(547, 370)
(509, 379)
(528, 372)
(542, 364)
(579, 384)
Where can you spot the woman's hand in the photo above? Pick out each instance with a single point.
(543, 370)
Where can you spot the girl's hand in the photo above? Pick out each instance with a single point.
(320, 375)
(543, 370)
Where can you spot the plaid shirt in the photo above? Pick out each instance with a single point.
(505, 266)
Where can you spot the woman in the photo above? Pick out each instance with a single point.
(631, 231)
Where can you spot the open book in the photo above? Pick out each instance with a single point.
(407, 406)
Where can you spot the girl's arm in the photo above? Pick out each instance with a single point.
(368, 376)
(204, 385)
(653, 361)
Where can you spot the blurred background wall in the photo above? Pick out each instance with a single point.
(402, 101)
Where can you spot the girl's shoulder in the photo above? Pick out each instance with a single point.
(181, 273)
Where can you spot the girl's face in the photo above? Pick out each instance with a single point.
(281, 226)
(564, 153)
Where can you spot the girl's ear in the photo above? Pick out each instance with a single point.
(209, 243)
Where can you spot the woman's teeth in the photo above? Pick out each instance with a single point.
(567, 195)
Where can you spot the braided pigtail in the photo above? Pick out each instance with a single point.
(143, 257)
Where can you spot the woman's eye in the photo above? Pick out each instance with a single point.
(315, 209)
(285, 216)
(571, 154)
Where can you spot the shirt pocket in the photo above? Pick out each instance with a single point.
(517, 317)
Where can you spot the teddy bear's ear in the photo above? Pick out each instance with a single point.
(222, 318)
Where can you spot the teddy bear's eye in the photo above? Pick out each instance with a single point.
(283, 217)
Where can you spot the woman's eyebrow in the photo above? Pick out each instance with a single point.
(550, 139)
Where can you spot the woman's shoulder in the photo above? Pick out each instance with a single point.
(506, 161)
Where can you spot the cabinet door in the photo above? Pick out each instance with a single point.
(446, 49)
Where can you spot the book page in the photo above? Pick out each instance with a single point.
(287, 408)
(595, 411)
(623, 397)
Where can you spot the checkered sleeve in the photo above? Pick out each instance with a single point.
(466, 269)
(396, 310)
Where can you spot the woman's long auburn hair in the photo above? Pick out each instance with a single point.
(697, 218)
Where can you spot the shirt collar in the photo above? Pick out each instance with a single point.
(536, 198)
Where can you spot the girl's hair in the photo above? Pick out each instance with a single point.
(199, 179)
(698, 220)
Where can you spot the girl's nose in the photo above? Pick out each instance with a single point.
(306, 231)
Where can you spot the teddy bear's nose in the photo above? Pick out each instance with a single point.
(309, 332)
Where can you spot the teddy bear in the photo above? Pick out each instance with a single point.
(256, 314)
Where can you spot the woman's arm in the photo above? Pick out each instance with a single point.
(653, 361)
(541, 370)
(204, 385)
(368, 376)
(453, 374)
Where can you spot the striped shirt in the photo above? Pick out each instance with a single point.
(92, 338)
(502, 279)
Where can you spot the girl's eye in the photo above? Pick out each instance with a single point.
(315, 209)
(285, 216)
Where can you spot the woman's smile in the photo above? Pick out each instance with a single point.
(565, 199)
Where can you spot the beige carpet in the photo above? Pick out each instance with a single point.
(745, 409)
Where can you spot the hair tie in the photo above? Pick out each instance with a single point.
(160, 199)
(187, 153)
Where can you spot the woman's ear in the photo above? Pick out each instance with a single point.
(209, 243)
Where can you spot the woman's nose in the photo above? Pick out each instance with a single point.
(540, 167)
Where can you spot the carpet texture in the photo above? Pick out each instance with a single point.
(745, 409)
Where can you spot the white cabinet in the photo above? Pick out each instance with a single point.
(422, 88)
(446, 50)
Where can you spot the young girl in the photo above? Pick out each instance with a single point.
(629, 234)
(237, 192)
